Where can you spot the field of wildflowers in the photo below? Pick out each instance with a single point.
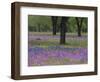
(44, 49)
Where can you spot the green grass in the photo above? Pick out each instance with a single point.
(69, 43)
(74, 42)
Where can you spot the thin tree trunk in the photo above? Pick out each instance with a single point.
(54, 24)
(79, 25)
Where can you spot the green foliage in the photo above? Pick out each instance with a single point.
(39, 23)
(85, 25)
(44, 24)
(72, 27)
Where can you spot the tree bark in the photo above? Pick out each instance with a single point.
(79, 22)
(63, 30)
(54, 24)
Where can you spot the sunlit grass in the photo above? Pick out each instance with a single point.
(69, 43)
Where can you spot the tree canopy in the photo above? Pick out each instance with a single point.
(44, 24)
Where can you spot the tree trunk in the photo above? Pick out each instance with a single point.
(63, 30)
(54, 24)
(39, 28)
(79, 25)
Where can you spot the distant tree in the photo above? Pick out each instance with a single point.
(79, 22)
(54, 24)
(63, 27)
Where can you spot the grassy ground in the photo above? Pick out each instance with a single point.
(47, 39)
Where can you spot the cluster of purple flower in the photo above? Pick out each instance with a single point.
(39, 56)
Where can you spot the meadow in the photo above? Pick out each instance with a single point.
(44, 49)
